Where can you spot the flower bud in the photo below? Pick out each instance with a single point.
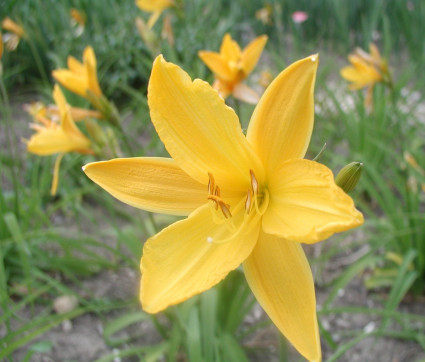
(349, 176)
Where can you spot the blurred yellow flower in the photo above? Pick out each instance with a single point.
(15, 33)
(154, 6)
(249, 199)
(361, 73)
(232, 65)
(57, 136)
(80, 78)
(9, 25)
(265, 14)
(366, 70)
(38, 109)
(78, 16)
(78, 20)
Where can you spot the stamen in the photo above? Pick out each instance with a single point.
(214, 195)
(254, 183)
(248, 201)
(225, 209)
(211, 184)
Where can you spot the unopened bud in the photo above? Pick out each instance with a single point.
(349, 176)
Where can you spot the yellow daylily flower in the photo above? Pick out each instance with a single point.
(156, 7)
(366, 70)
(54, 137)
(265, 14)
(232, 65)
(80, 78)
(361, 73)
(78, 17)
(249, 199)
(78, 20)
(14, 35)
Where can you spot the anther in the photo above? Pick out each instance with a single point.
(248, 201)
(254, 183)
(214, 195)
(211, 184)
(225, 209)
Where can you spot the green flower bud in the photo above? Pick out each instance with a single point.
(349, 176)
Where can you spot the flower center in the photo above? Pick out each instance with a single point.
(235, 221)
(214, 195)
(254, 198)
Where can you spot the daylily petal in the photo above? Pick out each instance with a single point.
(216, 63)
(229, 49)
(360, 73)
(75, 66)
(90, 62)
(174, 268)
(279, 275)
(306, 205)
(10, 25)
(245, 93)
(50, 141)
(251, 54)
(67, 123)
(60, 100)
(150, 183)
(154, 5)
(70, 80)
(80, 77)
(352, 75)
(365, 68)
(376, 55)
(199, 131)
(282, 122)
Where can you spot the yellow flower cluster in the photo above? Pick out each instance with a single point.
(54, 126)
